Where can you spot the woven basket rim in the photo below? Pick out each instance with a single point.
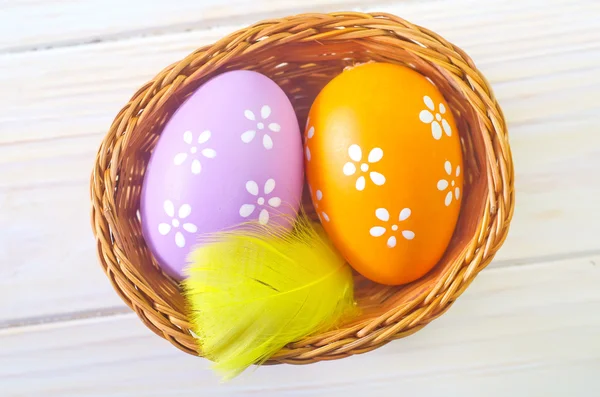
(387, 38)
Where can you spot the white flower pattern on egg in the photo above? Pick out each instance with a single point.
(196, 166)
(310, 132)
(350, 168)
(265, 113)
(383, 215)
(437, 120)
(176, 222)
(248, 209)
(450, 183)
(319, 196)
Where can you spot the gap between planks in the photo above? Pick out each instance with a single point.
(551, 120)
(527, 331)
(64, 319)
(263, 11)
(64, 99)
(196, 25)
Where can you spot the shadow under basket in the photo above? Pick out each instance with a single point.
(303, 53)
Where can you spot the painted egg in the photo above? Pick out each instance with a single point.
(384, 164)
(231, 153)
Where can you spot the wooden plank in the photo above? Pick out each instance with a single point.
(47, 260)
(52, 119)
(34, 25)
(521, 331)
(38, 25)
(65, 98)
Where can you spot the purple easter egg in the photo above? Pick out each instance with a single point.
(231, 153)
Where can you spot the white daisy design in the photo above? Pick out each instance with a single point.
(249, 135)
(176, 222)
(248, 209)
(355, 153)
(450, 183)
(436, 120)
(383, 215)
(319, 196)
(196, 166)
(310, 132)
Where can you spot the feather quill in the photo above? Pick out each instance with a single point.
(255, 289)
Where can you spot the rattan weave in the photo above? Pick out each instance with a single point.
(302, 53)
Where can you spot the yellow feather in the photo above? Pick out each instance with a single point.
(255, 289)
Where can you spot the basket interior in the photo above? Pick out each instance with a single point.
(301, 70)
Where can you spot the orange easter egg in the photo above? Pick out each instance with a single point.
(384, 166)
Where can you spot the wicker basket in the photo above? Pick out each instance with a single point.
(302, 53)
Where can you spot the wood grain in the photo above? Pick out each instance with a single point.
(527, 326)
(27, 25)
(65, 98)
(526, 331)
(36, 25)
(59, 103)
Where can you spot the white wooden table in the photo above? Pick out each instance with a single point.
(528, 326)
